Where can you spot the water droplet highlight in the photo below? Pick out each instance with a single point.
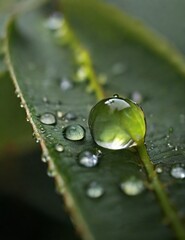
(178, 172)
(117, 123)
(74, 132)
(94, 190)
(132, 186)
(88, 159)
(48, 119)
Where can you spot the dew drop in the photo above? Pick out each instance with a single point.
(65, 84)
(118, 68)
(116, 95)
(48, 119)
(132, 186)
(70, 116)
(114, 125)
(51, 173)
(45, 158)
(178, 172)
(74, 132)
(60, 114)
(59, 147)
(137, 97)
(88, 159)
(45, 100)
(54, 22)
(81, 74)
(94, 190)
(158, 169)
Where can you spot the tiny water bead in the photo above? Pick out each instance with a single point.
(59, 147)
(117, 123)
(132, 186)
(74, 132)
(65, 85)
(178, 172)
(54, 22)
(88, 159)
(48, 119)
(94, 190)
(70, 116)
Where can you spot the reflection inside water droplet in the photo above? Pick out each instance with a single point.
(74, 132)
(132, 186)
(94, 190)
(48, 119)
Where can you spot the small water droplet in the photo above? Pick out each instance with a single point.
(82, 74)
(54, 22)
(178, 172)
(45, 100)
(59, 147)
(170, 130)
(136, 97)
(116, 95)
(118, 68)
(45, 158)
(51, 173)
(170, 145)
(70, 116)
(60, 114)
(102, 78)
(132, 186)
(65, 84)
(48, 119)
(94, 190)
(21, 105)
(88, 159)
(158, 169)
(74, 132)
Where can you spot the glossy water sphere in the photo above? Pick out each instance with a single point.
(117, 123)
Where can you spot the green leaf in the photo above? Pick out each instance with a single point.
(132, 62)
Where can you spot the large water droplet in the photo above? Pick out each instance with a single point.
(54, 22)
(48, 119)
(88, 159)
(132, 186)
(94, 190)
(117, 123)
(178, 172)
(74, 132)
(59, 147)
(65, 84)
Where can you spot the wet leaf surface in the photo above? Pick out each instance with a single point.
(38, 64)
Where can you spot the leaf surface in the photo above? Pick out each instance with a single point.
(38, 64)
